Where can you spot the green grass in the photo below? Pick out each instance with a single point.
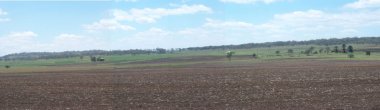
(263, 53)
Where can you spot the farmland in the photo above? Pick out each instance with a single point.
(280, 84)
(263, 53)
(196, 80)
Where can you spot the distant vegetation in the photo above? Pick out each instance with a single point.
(229, 55)
(81, 54)
(322, 46)
(326, 42)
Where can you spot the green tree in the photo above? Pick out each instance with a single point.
(344, 48)
(350, 49)
(229, 55)
(368, 53)
(100, 59)
(309, 51)
(336, 49)
(93, 59)
(254, 56)
(278, 53)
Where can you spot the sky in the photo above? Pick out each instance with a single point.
(54, 26)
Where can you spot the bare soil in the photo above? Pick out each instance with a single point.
(285, 84)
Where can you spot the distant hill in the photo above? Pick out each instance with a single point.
(67, 54)
(333, 41)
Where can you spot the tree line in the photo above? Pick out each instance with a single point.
(68, 54)
(326, 42)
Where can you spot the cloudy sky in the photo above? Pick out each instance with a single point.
(27, 26)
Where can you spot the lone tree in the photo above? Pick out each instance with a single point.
(7, 66)
(278, 53)
(254, 56)
(336, 49)
(93, 59)
(344, 48)
(350, 49)
(368, 53)
(309, 51)
(229, 55)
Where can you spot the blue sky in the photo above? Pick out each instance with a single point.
(29, 26)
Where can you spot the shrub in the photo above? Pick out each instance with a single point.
(368, 53)
(254, 56)
(7, 66)
(278, 53)
(351, 55)
(93, 59)
(100, 59)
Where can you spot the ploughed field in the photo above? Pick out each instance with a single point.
(283, 84)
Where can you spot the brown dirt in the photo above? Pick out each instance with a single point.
(180, 59)
(191, 59)
(285, 84)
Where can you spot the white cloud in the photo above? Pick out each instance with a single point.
(312, 18)
(314, 24)
(126, 0)
(226, 24)
(27, 41)
(17, 42)
(364, 4)
(298, 25)
(131, 0)
(249, 1)
(149, 15)
(107, 24)
(213, 32)
(27, 34)
(3, 13)
(4, 19)
(146, 15)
